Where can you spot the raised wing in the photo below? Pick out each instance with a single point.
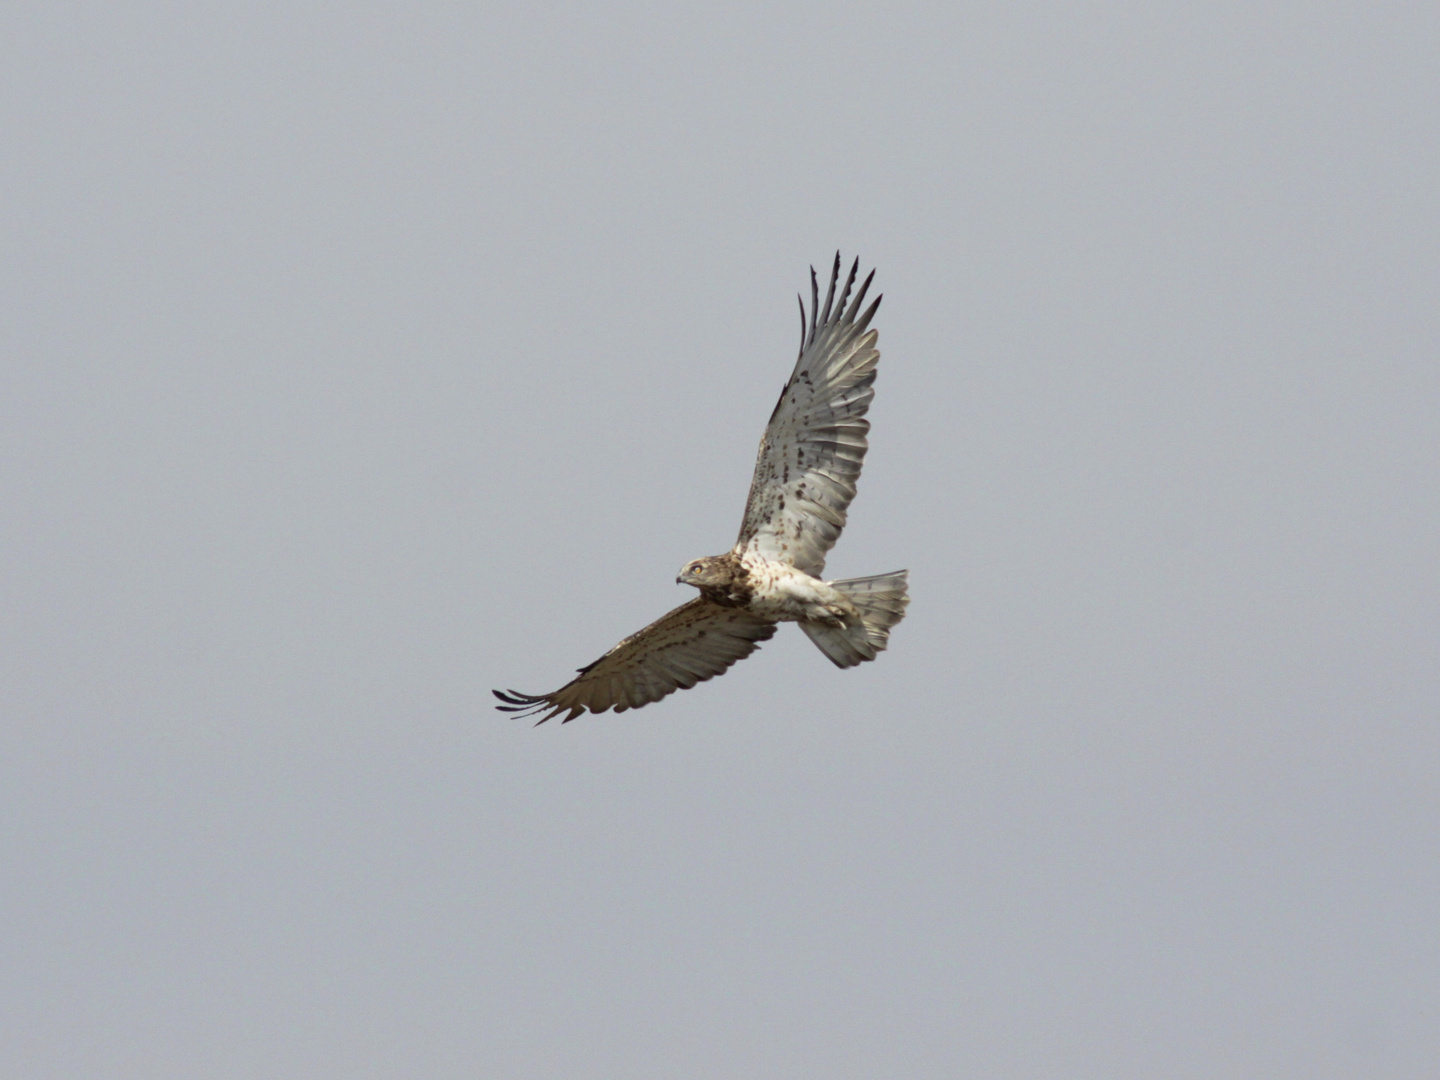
(695, 642)
(812, 450)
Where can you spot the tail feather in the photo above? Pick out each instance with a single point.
(881, 602)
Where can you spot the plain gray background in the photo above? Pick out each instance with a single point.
(360, 358)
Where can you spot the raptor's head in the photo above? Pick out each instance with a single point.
(710, 570)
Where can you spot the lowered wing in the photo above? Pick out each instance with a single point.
(812, 450)
(695, 642)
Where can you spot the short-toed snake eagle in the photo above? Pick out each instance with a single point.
(810, 458)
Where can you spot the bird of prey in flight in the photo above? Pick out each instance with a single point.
(810, 458)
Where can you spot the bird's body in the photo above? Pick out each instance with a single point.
(766, 589)
(805, 473)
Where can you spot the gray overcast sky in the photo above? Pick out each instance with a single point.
(360, 358)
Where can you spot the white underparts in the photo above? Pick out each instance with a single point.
(786, 594)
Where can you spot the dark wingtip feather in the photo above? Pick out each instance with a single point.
(801, 301)
(859, 297)
(864, 320)
(522, 704)
(526, 705)
(830, 293)
(849, 282)
(814, 302)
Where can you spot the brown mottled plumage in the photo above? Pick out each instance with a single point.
(805, 474)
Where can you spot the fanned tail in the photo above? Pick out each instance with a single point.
(881, 602)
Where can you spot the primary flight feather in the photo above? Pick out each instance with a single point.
(810, 458)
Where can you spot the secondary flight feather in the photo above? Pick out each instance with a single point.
(805, 474)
